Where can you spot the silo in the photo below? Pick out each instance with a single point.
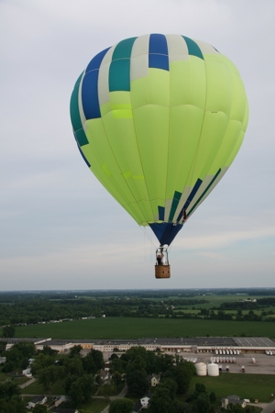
(201, 369)
(213, 369)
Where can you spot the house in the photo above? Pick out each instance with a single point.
(107, 366)
(155, 379)
(2, 360)
(58, 400)
(27, 372)
(104, 376)
(36, 400)
(232, 400)
(145, 402)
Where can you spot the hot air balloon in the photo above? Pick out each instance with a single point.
(159, 119)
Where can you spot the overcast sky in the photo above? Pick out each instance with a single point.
(59, 229)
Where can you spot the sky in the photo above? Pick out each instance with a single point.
(59, 228)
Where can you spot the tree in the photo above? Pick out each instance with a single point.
(47, 350)
(107, 390)
(181, 407)
(93, 362)
(160, 401)
(235, 408)
(9, 389)
(183, 375)
(10, 400)
(151, 362)
(202, 402)
(119, 365)
(87, 386)
(48, 376)
(39, 408)
(170, 385)
(13, 405)
(75, 351)
(75, 393)
(164, 362)
(212, 397)
(116, 378)
(134, 352)
(2, 347)
(137, 383)
(26, 348)
(68, 382)
(8, 331)
(73, 366)
(138, 363)
(79, 389)
(18, 355)
(41, 362)
(200, 388)
(121, 406)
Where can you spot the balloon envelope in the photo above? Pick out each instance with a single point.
(158, 120)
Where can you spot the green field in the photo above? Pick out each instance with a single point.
(134, 328)
(94, 406)
(37, 388)
(246, 386)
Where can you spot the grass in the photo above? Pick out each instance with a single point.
(19, 380)
(246, 386)
(94, 406)
(36, 388)
(3, 376)
(134, 328)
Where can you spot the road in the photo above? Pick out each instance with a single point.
(269, 408)
(22, 386)
(119, 396)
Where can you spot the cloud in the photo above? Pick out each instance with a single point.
(57, 224)
(228, 238)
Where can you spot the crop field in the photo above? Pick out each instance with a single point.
(246, 386)
(134, 328)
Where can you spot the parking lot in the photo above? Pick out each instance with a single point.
(264, 364)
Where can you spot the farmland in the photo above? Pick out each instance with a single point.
(134, 328)
(134, 314)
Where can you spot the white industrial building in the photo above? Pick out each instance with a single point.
(215, 345)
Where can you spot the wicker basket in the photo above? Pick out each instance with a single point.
(162, 271)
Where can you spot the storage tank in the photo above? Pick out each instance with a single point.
(213, 369)
(201, 369)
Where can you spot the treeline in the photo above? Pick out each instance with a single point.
(249, 305)
(32, 310)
